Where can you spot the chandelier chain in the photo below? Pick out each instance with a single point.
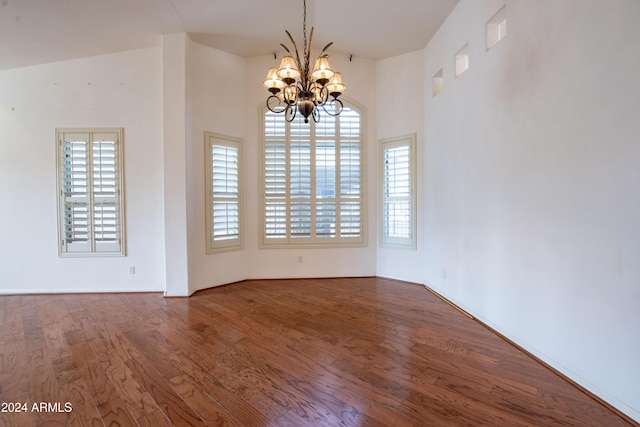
(304, 27)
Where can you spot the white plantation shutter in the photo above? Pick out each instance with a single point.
(398, 192)
(325, 219)
(90, 192)
(226, 221)
(300, 180)
(312, 180)
(397, 215)
(106, 192)
(223, 207)
(275, 177)
(350, 175)
(75, 193)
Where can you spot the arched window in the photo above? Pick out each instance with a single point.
(312, 180)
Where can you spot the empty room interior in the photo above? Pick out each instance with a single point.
(206, 220)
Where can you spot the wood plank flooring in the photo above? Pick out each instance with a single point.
(330, 352)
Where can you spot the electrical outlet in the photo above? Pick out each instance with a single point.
(132, 270)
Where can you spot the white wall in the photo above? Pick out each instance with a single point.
(224, 95)
(359, 76)
(175, 134)
(165, 98)
(119, 90)
(217, 100)
(399, 89)
(532, 183)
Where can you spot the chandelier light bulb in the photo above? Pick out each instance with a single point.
(291, 94)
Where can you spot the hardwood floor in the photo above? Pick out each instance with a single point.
(330, 352)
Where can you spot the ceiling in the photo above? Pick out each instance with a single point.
(40, 31)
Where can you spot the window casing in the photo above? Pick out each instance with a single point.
(223, 158)
(398, 187)
(437, 83)
(496, 28)
(90, 192)
(462, 60)
(312, 181)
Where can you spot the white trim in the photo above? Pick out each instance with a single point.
(127, 290)
(91, 246)
(385, 144)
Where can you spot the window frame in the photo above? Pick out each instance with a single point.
(212, 139)
(337, 241)
(93, 250)
(409, 242)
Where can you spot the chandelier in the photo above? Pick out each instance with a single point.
(295, 87)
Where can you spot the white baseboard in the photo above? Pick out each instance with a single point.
(78, 291)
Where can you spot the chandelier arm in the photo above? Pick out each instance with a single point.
(316, 115)
(324, 97)
(301, 88)
(290, 112)
(275, 108)
(336, 105)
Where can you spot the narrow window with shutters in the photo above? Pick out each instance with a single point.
(90, 192)
(312, 181)
(398, 202)
(223, 193)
